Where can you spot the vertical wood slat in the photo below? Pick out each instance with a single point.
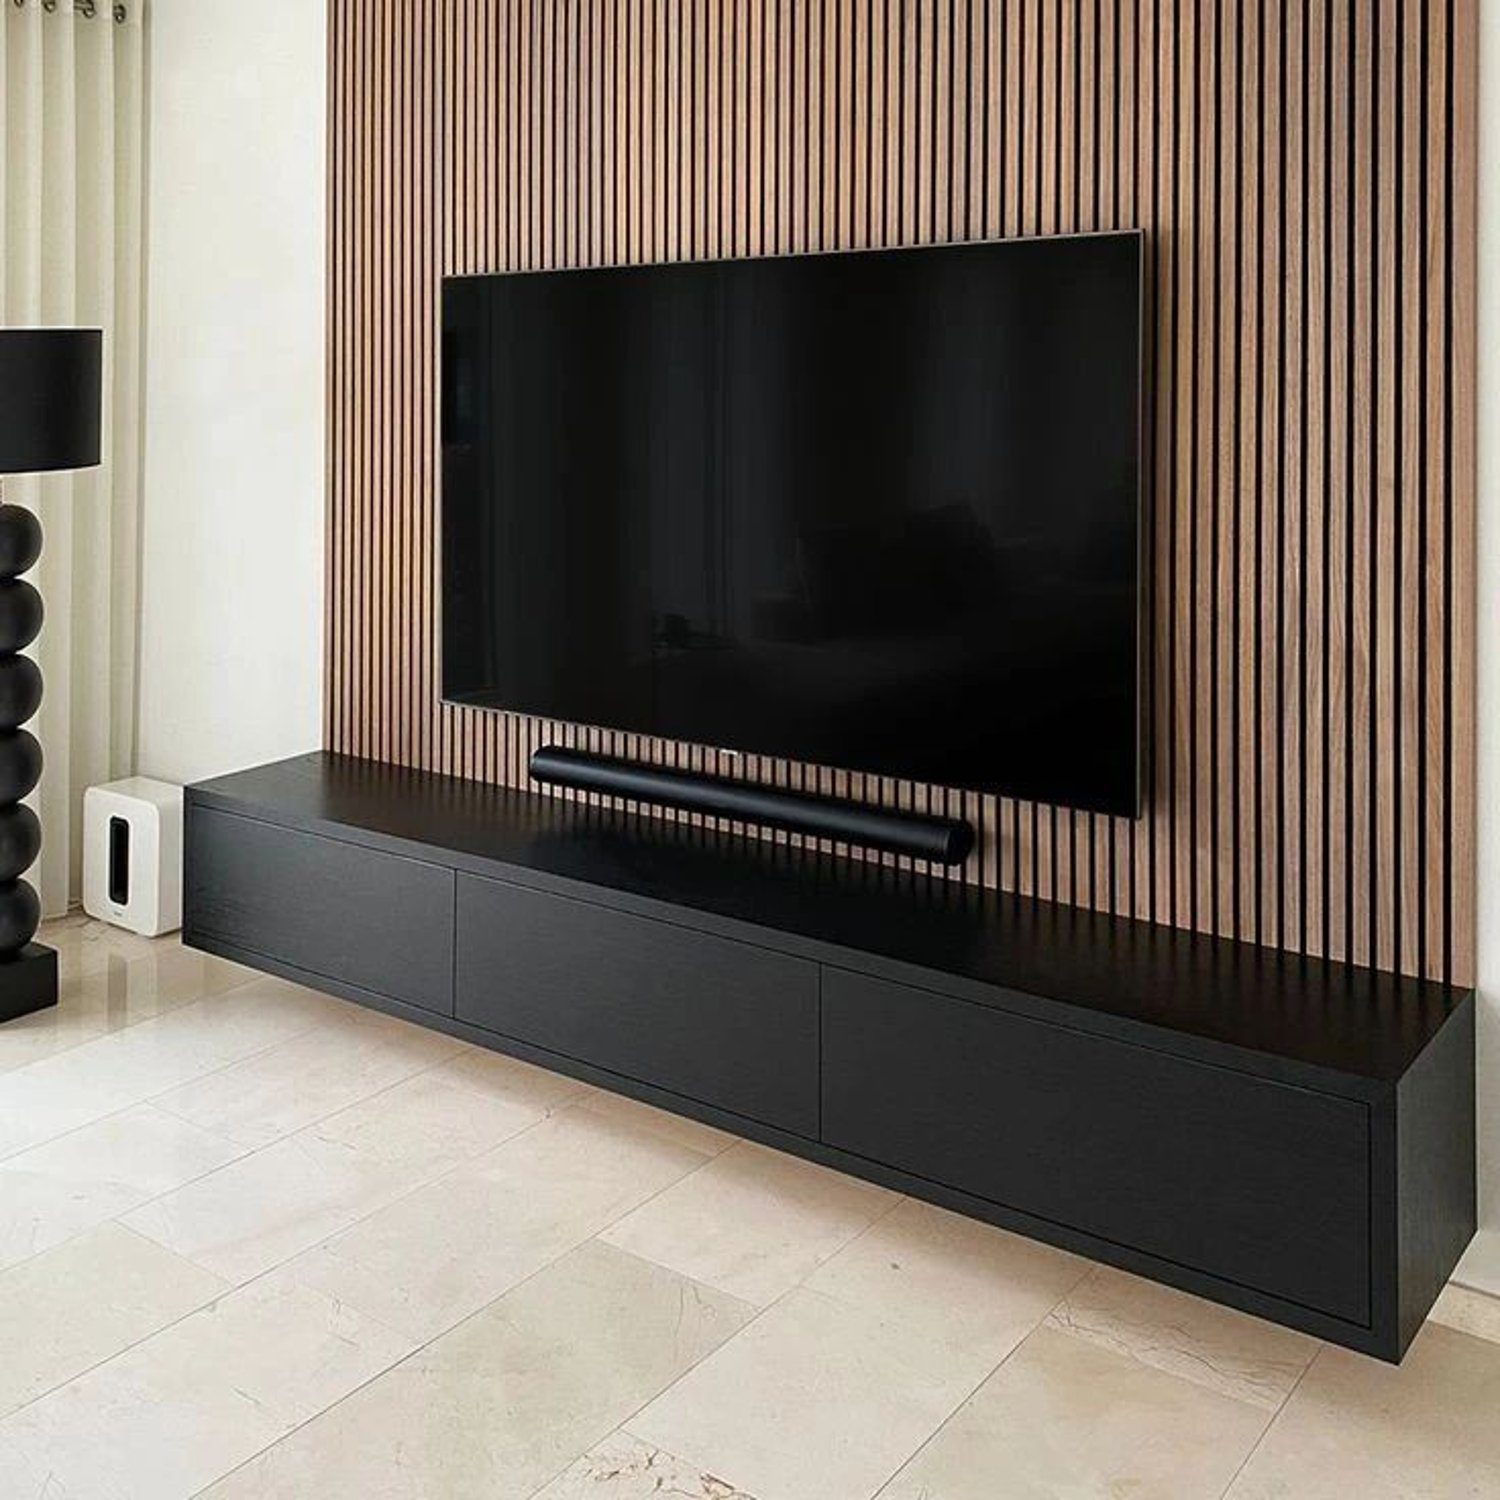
(1263, 550)
(1294, 251)
(1305, 176)
(1462, 243)
(1338, 473)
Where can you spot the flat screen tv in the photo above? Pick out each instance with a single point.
(876, 510)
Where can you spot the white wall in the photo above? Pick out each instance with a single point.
(1481, 1266)
(232, 526)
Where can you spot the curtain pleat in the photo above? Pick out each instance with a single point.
(71, 195)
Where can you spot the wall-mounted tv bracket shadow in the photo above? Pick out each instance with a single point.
(943, 840)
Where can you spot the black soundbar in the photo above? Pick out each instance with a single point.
(942, 840)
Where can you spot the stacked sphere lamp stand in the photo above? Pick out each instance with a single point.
(50, 384)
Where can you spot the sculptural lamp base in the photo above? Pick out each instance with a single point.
(28, 981)
(28, 971)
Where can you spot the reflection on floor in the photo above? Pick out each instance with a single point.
(255, 1242)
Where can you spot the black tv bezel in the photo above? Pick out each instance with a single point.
(738, 753)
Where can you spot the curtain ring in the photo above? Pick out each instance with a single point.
(121, 14)
(85, 8)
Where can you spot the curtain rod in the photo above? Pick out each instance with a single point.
(84, 9)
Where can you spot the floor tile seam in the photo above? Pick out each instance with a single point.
(709, 1154)
(242, 1153)
(144, 1098)
(155, 1099)
(1488, 1298)
(171, 1010)
(1005, 1359)
(623, 1426)
(130, 1026)
(899, 1199)
(228, 1289)
(1271, 1420)
(801, 1285)
(379, 1207)
(124, 1349)
(761, 1313)
(421, 1185)
(79, 1041)
(451, 1328)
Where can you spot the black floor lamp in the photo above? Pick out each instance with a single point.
(50, 384)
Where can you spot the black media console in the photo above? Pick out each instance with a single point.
(1292, 1137)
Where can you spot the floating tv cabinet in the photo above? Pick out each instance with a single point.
(1291, 1137)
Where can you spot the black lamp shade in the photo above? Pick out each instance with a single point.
(50, 383)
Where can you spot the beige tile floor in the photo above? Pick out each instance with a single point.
(258, 1243)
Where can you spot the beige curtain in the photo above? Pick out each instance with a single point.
(71, 116)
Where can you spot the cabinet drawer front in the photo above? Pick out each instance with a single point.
(1260, 1183)
(339, 910)
(718, 1021)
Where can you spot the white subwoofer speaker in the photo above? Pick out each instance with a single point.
(132, 854)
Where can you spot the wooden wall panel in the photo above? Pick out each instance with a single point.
(1305, 172)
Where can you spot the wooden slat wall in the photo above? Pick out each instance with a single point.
(1305, 170)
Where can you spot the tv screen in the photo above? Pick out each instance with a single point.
(878, 510)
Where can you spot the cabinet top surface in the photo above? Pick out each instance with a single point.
(1326, 1016)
